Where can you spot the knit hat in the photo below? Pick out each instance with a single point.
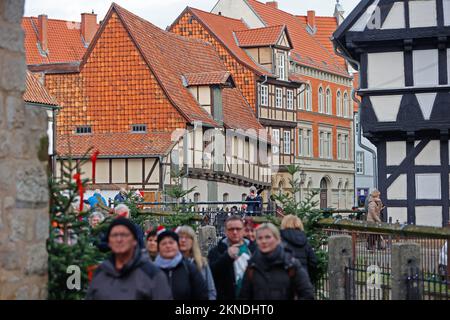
(167, 233)
(123, 222)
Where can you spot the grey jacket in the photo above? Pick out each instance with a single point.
(207, 275)
(139, 279)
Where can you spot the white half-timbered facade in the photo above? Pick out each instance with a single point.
(402, 50)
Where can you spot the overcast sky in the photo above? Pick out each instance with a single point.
(163, 12)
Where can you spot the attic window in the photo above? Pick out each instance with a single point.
(83, 130)
(191, 18)
(139, 128)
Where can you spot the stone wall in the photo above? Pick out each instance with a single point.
(23, 181)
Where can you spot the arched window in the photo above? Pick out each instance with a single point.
(346, 104)
(338, 104)
(328, 101)
(308, 98)
(226, 197)
(197, 197)
(321, 102)
(301, 99)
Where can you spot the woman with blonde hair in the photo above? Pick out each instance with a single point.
(288, 279)
(190, 249)
(295, 241)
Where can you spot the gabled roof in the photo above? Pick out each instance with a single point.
(223, 29)
(36, 93)
(261, 37)
(208, 78)
(307, 50)
(125, 144)
(64, 41)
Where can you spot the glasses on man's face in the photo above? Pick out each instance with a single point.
(120, 235)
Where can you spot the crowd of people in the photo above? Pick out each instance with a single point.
(251, 262)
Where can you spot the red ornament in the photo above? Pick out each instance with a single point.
(94, 161)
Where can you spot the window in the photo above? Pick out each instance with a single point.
(264, 99)
(359, 162)
(282, 66)
(279, 98)
(357, 124)
(328, 102)
(138, 128)
(308, 98)
(343, 146)
(83, 130)
(346, 103)
(287, 142)
(276, 137)
(305, 142)
(325, 145)
(301, 100)
(320, 100)
(290, 99)
(196, 197)
(226, 197)
(339, 147)
(338, 104)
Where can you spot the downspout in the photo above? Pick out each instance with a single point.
(355, 99)
(54, 112)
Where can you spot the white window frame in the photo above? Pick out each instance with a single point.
(328, 102)
(338, 103)
(276, 137)
(305, 142)
(309, 140)
(346, 104)
(339, 146)
(264, 95)
(360, 162)
(290, 99)
(301, 148)
(321, 100)
(325, 144)
(281, 66)
(278, 97)
(301, 100)
(308, 98)
(287, 142)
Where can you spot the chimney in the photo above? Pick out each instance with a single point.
(88, 26)
(273, 4)
(43, 31)
(311, 19)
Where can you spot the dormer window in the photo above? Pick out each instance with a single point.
(83, 130)
(281, 66)
(139, 128)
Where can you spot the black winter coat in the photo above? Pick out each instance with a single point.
(296, 243)
(221, 265)
(139, 279)
(280, 278)
(186, 281)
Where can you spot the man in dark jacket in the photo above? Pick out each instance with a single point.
(228, 260)
(127, 274)
(296, 242)
(254, 202)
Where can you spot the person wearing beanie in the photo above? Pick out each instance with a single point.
(184, 278)
(127, 274)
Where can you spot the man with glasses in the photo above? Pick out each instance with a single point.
(228, 260)
(127, 274)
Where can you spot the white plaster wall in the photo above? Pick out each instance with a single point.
(238, 9)
(422, 13)
(428, 186)
(386, 70)
(426, 67)
(386, 107)
(448, 58)
(430, 155)
(395, 152)
(429, 216)
(397, 190)
(363, 21)
(400, 214)
(447, 13)
(396, 17)
(426, 102)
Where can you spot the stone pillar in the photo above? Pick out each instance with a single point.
(339, 257)
(207, 239)
(23, 180)
(406, 259)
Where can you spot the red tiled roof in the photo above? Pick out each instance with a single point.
(307, 49)
(207, 78)
(116, 144)
(36, 93)
(64, 41)
(297, 78)
(223, 28)
(259, 37)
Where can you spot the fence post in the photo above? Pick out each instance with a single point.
(339, 257)
(405, 257)
(207, 238)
